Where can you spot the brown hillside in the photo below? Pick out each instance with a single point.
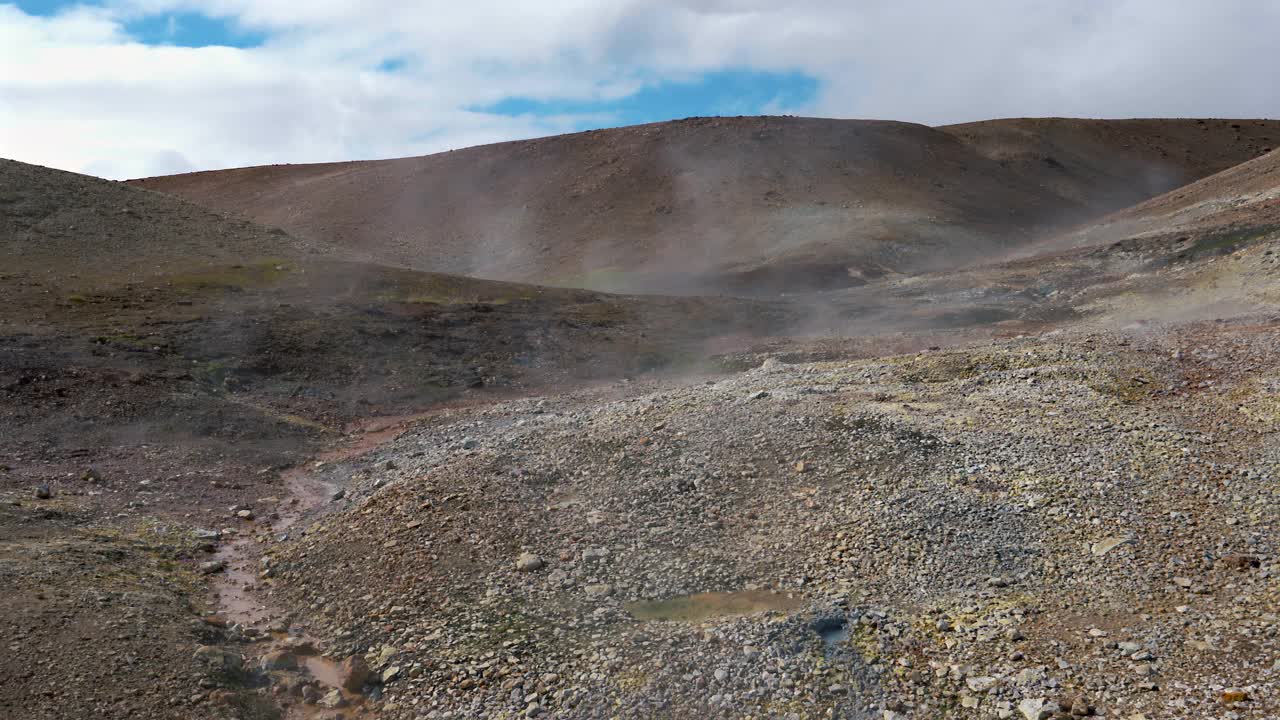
(1241, 199)
(711, 204)
(1109, 164)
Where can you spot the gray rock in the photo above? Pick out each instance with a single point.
(333, 700)
(279, 660)
(43, 492)
(528, 562)
(213, 566)
(598, 591)
(219, 659)
(1037, 708)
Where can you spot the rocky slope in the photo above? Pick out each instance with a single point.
(1085, 523)
(743, 205)
(253, 475)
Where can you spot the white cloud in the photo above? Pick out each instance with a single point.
(76, 92)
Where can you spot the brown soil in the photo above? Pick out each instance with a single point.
(742, 205)
(163, 366)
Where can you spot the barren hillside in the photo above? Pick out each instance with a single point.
(726, 204)
(254, 474)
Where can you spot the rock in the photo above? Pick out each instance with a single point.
(213, 566)
(528, 562)
(721, 674)
(981, 684)
(1231, 696)
(598, 591)
(91, 475)
(1240, 562)
(279, 660)
(592, 555)
(333, 700)
(43, 492)
(385, 655)
(203, 534)
(338, 495)
(219, 659)
(1080, 708)
(1106, 545)
(353, 673)
(245, 514)
(1037, 708)
(390, 674)
(470, 444)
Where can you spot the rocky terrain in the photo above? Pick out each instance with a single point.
(264, 473)
(736, 205)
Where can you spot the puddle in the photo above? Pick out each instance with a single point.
(833, 633)
(709, 605)
(323, 669)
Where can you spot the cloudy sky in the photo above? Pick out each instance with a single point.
(126, 88)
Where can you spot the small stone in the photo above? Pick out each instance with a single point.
(1231, 696)
(219, 658)
(353, 673)
(981, 684)
(245, 514)
(43, 492)
(333, 700)
(1240, 562)
(1028, 676)
(1106, 545)
(1037, 708)
(279, 660)
(390, 674)
(598, 591)
(528, 562)
(592, 555)
(721, 674)
(1080, 708)
(212, 566)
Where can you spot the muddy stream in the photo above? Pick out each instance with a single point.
(236, 588)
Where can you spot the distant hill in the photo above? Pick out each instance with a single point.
(744, 205)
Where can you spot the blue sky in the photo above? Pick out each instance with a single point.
(721, 92)
(183, 29)
(728, 91)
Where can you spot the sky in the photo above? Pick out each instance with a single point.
(131, 88)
